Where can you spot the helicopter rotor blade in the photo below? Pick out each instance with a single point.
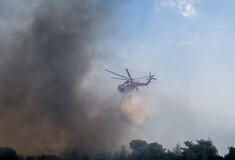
(151, 79)
(128, 73)
(116, 74)
(119, 78)
(141, 77)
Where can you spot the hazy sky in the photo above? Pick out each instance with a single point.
(189, 45)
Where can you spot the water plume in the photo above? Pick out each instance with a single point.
(133, 108)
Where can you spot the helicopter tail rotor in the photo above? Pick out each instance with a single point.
(151, 77)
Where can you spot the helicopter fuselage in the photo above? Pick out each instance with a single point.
(130, 86)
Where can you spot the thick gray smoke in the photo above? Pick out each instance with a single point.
(47, 50)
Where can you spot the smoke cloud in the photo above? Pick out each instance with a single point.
(47, 53)
(133, 109)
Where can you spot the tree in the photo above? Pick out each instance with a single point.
(144, 151)
(8, 154)
(177, 150)
(30, 158)
(104, 155)
(139, 149)
(43, 157)
(231, 154)
(85, 157)
(203, 150)
(138, 145)
(156, 151)
(122, 155)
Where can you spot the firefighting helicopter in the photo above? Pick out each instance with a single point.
(130, 84)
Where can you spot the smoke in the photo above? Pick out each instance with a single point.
(133, 109)
(47, 54)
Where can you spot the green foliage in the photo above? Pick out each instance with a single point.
(200, 151)
(141, 150)
(122, 155)
(104, 155)
(8, 154)
(231, 154)
(85, 157)
(138, 145)
(177, 150)
(144, 151)
(155, 151)
(71, 154)
(172, 156)
(43, 157)
(30, 158)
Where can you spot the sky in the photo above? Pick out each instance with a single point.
(188, 45)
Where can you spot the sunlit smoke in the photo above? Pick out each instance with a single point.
(134, 109)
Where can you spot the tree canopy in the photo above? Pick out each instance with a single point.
(139, 150)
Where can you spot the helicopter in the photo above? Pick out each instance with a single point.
(130, 83)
